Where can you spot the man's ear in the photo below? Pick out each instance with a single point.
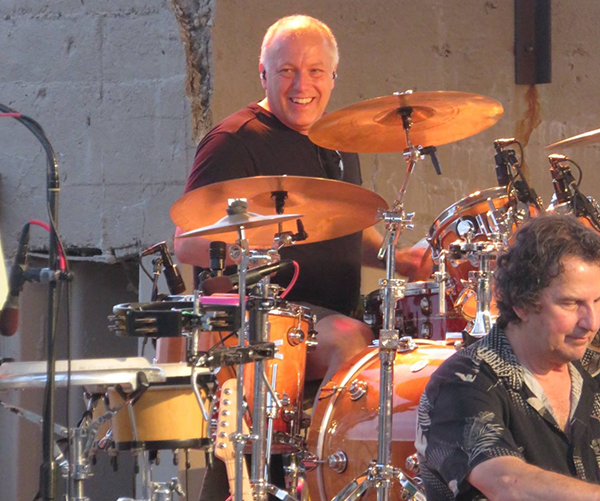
(522, 313)
(263, 75)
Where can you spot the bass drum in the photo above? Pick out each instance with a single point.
(343, 432)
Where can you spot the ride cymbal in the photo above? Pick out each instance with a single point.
(331, 208)
(376, 125)
(584, 139)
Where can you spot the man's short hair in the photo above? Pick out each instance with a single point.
(536, 258)
(299, 22)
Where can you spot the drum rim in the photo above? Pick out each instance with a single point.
(467, 202)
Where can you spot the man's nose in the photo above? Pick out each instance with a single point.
(590, 317)
(301, 80)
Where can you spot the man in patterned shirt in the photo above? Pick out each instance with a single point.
(515, 416)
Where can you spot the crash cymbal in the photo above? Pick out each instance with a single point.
(331, 208)
(584, 139)
(233, 222)
(375, 125)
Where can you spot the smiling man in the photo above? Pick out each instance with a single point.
(297, 70)
(515, 416)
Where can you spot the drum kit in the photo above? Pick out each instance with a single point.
(230, 364)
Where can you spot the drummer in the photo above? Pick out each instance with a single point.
(515, 416)
(298, 70)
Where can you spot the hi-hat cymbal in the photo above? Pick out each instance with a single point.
(584, 139)
(375, 125)
(233, 222)
(331, 208)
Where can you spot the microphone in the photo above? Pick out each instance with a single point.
(9, 317)
(223, 284)
(504, 142)
(217, 258)
(173, 276)
(501, 158)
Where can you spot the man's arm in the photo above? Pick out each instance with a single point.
(510, 478)
(412, 262)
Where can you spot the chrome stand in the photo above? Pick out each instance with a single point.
(381, 473)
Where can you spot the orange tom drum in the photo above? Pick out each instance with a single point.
(471, 211)
(344, 427)
(291, 328)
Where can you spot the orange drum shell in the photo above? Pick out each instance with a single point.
(166, 418)
(443, 231)
(291, 364)
(342, 424)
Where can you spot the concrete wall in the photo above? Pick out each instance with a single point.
(105, 80)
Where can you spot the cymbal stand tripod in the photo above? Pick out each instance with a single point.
(381, 473)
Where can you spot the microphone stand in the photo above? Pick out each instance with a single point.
(48, 469)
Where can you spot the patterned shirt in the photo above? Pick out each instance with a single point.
(482, 403)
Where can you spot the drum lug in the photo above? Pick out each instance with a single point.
(426, 330)
(295, 336)
(310, 461)
(412, 464)
(338, 461)
(357, 389)
(406, 343)
(311, 341)
(425, 305)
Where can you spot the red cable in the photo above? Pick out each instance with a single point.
(12, 115)
(294, 279)
(61, 256)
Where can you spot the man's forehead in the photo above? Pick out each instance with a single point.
(310, 40)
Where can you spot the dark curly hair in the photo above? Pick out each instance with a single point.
(536, 258)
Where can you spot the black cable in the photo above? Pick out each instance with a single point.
(146, 271)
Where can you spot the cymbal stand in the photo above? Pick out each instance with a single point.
(381, 473)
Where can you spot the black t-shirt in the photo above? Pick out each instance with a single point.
(482, 403)
(253, 142)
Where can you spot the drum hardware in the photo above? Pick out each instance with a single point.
(440, 276)
(252, 337)
(295, 475)
(357, 389)
(568, 194)
(412, 464)
(479, 280)
(77, 468)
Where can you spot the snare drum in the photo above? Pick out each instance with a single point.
(344, 428)
(417, 314)
(291, 328)
(167, 415)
